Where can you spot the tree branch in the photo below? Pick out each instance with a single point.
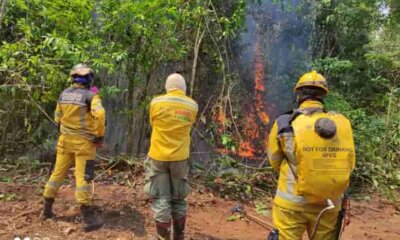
(2, 10)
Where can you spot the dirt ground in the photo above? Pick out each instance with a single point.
(127, 215)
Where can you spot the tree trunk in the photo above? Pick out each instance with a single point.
(199, 38)
(144, 117)
(387, 123)
(131, 70)
(2, 10)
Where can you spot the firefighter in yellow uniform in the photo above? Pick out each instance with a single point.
(81, 120)
(171, 117)
(313, 152)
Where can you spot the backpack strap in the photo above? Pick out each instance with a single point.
(89, 98)
(285, 128)
(305, 111)
(284, 122)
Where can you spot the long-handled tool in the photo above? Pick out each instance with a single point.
(330, 206)
(240, 209)
(344, 216)
(274, 233)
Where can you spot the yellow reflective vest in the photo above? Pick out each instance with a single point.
(171, 117)
(79, 112)
(310, 168)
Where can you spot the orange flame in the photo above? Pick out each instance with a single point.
(219, 117)
(259, 86)
(254, 136)
(247, 146)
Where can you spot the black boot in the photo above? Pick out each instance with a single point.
(179, 228)
(48, 208)
(163, 230)
(91, 222)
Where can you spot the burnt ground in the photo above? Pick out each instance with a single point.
(127, 215)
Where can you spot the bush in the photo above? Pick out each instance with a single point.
(376, 162)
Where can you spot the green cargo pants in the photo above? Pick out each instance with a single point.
(167, 185)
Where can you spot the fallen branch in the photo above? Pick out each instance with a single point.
(260, 190)
(23, 214)
(23, 87)
(255, 168)
(374, 209)
(113, 165)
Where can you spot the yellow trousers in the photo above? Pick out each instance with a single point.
(292, 224)
(70, 149)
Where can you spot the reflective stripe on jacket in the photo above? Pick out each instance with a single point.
(80, 112)
(281, 153)
(171, 117)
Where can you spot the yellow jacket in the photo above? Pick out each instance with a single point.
(79, 112)
(281, 153)
(171, 117)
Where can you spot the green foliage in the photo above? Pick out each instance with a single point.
(361, 62)
(42, 40)
(375, 167)
(228, 143)
(9, 197)
(6, 179)
(112, 91)
(333, 65)
(39, 43)
(142, 32)
(234, 217)
(262, 209)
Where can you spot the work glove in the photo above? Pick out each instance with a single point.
(95, 90)
(273, 235)
(98, 142)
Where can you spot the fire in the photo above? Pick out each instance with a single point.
(246, 150)
(253, 125)
(221, 118)
(248, 146)
(259, 85)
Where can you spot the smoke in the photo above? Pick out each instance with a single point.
(283, 31)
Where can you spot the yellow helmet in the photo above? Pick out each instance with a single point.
(81, 70)
(312, 79)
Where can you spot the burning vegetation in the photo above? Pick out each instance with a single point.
(252, 138)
